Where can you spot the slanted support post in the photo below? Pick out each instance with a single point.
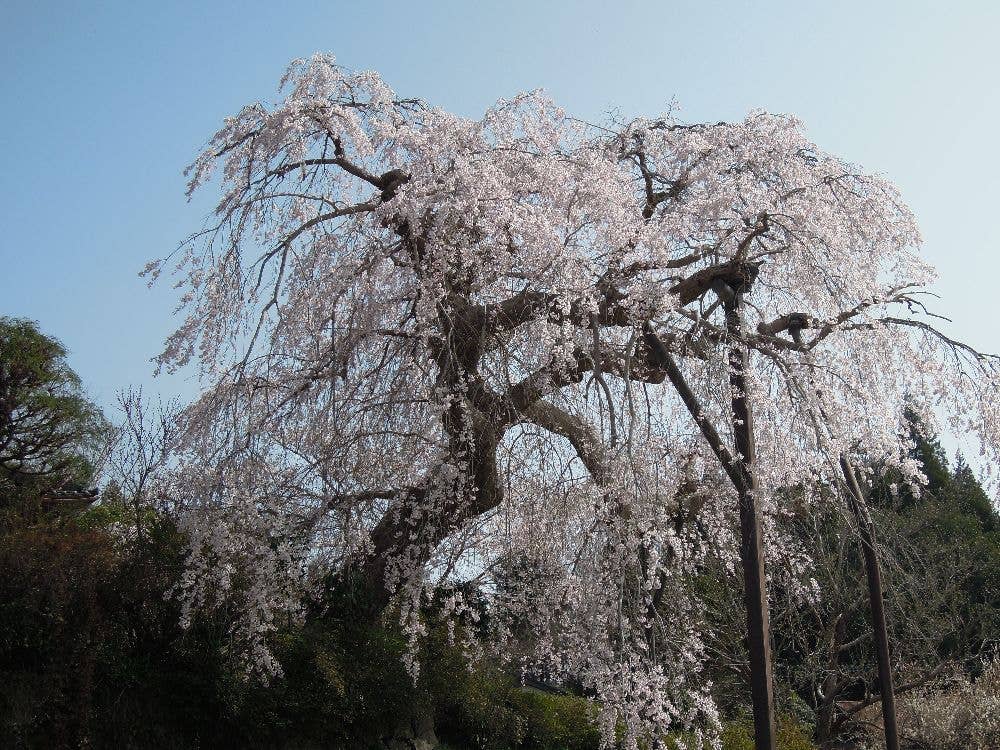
(751, 532)
(856, 499)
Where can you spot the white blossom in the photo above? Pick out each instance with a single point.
(422, 341)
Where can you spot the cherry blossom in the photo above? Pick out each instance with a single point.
(426, 346)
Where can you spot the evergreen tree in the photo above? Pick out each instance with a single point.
(51, 435)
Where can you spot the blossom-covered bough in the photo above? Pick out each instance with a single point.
(437, 349)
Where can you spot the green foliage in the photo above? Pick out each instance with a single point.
(940, 554)
(489, 710)
(930, 454)
(90, 652)
(941, 570)
(481, 706)
(738, 735)
(955, 528)
(478, 712)
(344, 684)
(50, 433)
(52, 625)
(554, 722)
(971, 499)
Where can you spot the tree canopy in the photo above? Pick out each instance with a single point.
(50, 432)
(433, 348)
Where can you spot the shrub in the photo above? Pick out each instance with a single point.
(478, 713)
(53, 628)
(964, 715)
(738, 735)
(556, 722)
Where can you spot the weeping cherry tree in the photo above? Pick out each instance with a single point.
(436, 350)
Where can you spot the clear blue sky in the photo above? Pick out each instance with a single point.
(105, 103)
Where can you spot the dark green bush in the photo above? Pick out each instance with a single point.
(556, 722)
(486, 708)
(344, 686)
(90, 651)
(738, 735)
(478, 712)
